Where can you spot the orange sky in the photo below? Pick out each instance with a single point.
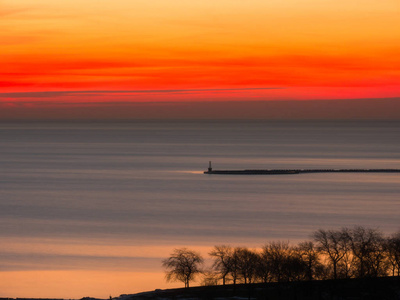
(199, 50)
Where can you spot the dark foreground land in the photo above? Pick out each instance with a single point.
(383, 288)
(352, 289)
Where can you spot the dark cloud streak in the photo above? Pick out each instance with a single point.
(51, 94)
(380, 108)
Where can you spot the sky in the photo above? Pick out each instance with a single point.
(142, 59)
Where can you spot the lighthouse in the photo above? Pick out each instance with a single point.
(209, 166)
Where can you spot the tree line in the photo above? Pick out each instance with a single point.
(356, 252)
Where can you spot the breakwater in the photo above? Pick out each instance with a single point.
(296, 171)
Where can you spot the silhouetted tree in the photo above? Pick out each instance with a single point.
(263, 271)
(234, 265)
(367, 246)
(275, 254)
(330, 243)
(183, 265)
(247, 264)
(392, 246)
(377, 262)
(222, 256)
(309, 254)
(210, 278)
(294, 267)
(345, 253)
(346, 264)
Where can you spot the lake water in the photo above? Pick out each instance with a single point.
(91, 208)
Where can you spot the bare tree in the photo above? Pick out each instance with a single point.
(309, 254)
(183, 265)
(330, 243)
(222, 260)
(282, 262)
(275, 255)
(367, 249)
(294, 267)
(377, 262)
(210, 277)
(345, 253)
(263, 267)
(234, 265)
(346, 264)
(247, 264)
(393, 253)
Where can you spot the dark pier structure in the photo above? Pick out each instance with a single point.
(294, 171)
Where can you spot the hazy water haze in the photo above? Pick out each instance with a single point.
(87, 199)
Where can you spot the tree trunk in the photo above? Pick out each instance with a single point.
(334, 270)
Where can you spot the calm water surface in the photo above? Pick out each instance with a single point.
(90, 209)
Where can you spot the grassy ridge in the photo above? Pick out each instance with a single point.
(384, 288)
